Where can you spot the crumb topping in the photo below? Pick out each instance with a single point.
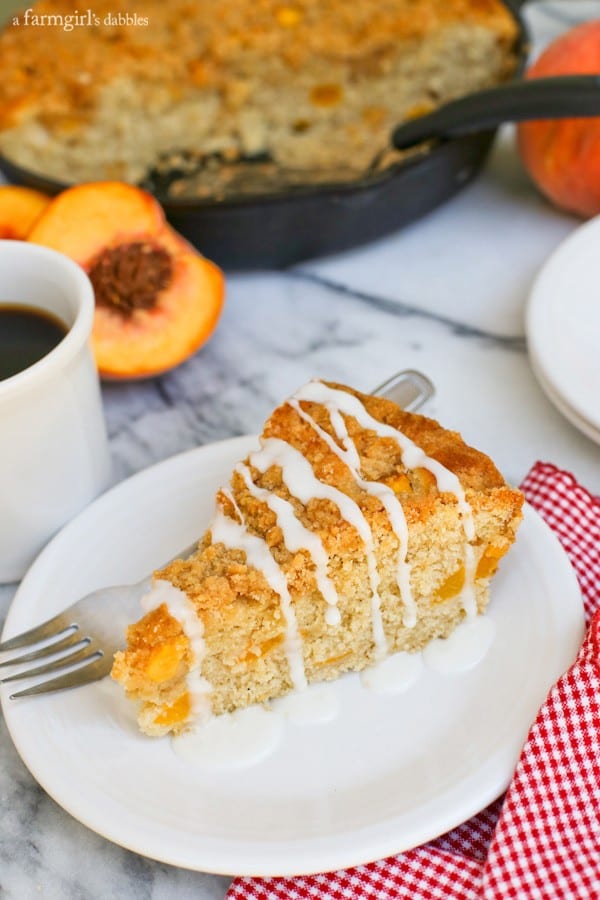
(189, 46)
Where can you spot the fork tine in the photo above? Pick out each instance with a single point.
(85, 674)
(63, 643)
(78, 652)
(44, 630)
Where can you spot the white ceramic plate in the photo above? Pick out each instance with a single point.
(563, 326)
(567, 411)
(387, 774)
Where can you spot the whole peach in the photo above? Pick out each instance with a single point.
(563, 155)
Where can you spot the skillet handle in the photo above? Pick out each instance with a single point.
(562, 97)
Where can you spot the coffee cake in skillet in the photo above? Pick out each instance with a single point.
(315, 85)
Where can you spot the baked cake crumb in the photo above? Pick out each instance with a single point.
(357, 530)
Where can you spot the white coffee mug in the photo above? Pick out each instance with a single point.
(54, 454)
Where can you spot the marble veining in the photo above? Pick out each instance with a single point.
(446, 296)
(402, 309)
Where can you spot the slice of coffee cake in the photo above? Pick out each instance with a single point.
(356, 530)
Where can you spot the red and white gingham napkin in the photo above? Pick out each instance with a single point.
(542, 839)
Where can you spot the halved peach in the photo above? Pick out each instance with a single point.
(20, 208)
(89, 218)
(150, 341)
(157, 299)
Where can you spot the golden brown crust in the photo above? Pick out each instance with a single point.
(381, 457)
(188, 45)
(224, 577)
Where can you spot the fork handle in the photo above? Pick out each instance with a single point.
(409, 389)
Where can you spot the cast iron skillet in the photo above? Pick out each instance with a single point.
(276, 230)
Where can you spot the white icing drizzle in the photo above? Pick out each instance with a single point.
(183, 610)
(315, 706)
(393, 675)
(232, 741)
(463, 649)
(413, 457)
(235, 536)
(350, 456)
(296, 537)
(302, 483)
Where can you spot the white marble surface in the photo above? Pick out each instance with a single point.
(446, 296)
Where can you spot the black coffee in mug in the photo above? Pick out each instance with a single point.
(27, 334)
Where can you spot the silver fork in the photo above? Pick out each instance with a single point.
(82, 640)
(86, 635)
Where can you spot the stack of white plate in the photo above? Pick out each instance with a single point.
(563, 328)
